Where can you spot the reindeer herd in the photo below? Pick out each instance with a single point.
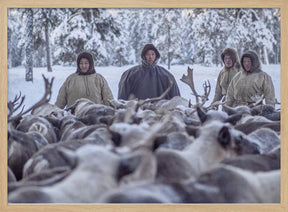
(146, 151)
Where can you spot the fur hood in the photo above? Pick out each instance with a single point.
(89, 57)
(234, 56)
(256, 66)
(149, 47)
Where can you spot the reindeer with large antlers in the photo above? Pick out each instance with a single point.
(26, 135)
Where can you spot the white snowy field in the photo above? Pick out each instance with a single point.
(33, 91)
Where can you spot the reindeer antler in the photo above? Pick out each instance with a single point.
(132, 107)
(258, 102)
(207, 90)
(43, 100)
(215, 105)
(12, 104)
(188, 79)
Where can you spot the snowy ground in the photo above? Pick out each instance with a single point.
(34, 91)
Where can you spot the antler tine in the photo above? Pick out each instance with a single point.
(216, 104)
(43, 100)
(12, 104)
(20, 104)
(188, 79)
(16, 98)
(207, 90)
(47, 95)
(258, 102)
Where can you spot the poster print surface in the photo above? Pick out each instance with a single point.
(160, 151)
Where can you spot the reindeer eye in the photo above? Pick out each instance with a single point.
(224, 136)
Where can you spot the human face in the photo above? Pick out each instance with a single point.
(84, 65)
(247, 64)
(150, 56)
(228, 61)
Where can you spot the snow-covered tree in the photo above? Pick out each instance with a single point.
(169, 36)
(141, 24)
(45, 21)
(15, 26)
(252, 32)
(85, 30)
(122, 53)
(29, 45)
(189, 43)
(271, 20)
(210, 30)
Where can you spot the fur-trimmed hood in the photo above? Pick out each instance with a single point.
(256, 65)
(234, 56)
(149, 47)
(89, 57)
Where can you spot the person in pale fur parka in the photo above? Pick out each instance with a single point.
(231, 67)
(85, 83)
(250, 84)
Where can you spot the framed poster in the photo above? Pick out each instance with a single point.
(8, 4)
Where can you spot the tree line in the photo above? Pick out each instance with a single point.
(43, 37)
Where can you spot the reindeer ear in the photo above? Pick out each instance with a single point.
(72, 108)
(193, 131)
(141, 165)
(69, 156)
(54, 121)
(233, 119)
(229, 110)
(201, 114)
(115, 137)
(128, 165)
(224, 136)
(159, 140)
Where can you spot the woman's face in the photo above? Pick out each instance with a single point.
(247, 64)
(150, 56)
(84, 65)
(228, 61)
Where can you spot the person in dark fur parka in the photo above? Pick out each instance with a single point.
(147, 80)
